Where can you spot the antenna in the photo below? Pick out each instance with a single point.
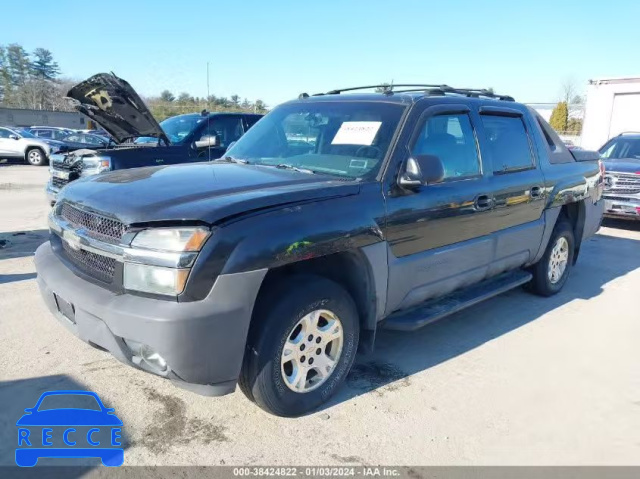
(208, 114)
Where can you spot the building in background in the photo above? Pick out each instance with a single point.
(612, 107)
(20, 117)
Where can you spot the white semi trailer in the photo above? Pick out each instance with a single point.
(612, 107)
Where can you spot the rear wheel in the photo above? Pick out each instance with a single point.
(301, 347)
(36, 157)
(551, 272)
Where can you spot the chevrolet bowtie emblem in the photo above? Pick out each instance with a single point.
(72, 239)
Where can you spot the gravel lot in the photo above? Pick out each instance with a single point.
(516, 380)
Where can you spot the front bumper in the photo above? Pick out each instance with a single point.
(203, 342)
(52, 193)
(622, 207)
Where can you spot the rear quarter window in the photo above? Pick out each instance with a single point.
(557, 152)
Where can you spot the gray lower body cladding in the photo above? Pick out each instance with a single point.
(203, 342)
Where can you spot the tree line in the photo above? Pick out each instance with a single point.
(33, 80)
(167, 104)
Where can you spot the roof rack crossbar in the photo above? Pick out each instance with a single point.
(429, 88)
(386, 87)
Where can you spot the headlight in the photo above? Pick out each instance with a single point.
(154, 279)
(159, 259)
(171, 239)
(92, 165)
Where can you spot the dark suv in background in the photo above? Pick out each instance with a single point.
(621, 156)
(114, 105)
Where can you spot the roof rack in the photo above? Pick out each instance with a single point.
(430, 89)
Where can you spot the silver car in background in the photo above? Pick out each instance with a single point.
(25, 146)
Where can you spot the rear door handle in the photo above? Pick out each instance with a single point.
(483, 202)
(536, 192)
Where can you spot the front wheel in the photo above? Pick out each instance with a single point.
(36, 157)
(302, 345)
(551, 272)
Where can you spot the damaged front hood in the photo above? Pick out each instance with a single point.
(114, 105)
(207, 192)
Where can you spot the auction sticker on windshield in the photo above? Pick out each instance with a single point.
(357, 133)
(69, 424)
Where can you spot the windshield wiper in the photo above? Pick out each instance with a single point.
(231, 159)
(284, 166)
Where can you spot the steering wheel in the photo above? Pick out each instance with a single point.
(366, 152)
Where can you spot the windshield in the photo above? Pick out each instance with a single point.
(178, 127)
(621, 148)
(348, 139)
(26, 134)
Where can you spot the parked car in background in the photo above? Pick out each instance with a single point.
(621, 156)
(270, 267)
(15, 143)
(50, 132)
(113, 104)
(75, 141)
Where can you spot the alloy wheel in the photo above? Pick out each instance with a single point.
(312, 351)
(558, 260)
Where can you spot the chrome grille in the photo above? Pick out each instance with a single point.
(622, 183)
(96, 226)
(623, 199)
(92, 264)
(59, 182)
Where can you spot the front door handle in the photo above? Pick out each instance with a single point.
(483, 202)
(536, 192)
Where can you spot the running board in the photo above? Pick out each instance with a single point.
(432, 310)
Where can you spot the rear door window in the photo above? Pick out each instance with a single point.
(508, 143)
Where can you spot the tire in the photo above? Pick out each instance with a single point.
(36, 157)
(267, 378)
(543, 282)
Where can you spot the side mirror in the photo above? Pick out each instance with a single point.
(432, 168)
(14, 137)
(420, 170)
(411, 175)
(208, 141)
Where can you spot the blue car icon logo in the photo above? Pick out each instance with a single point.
(69, 424)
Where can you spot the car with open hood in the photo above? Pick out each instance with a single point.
(113, 104)
(621, 156)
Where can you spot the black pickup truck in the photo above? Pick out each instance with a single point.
(114, 105)
(335, 215)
